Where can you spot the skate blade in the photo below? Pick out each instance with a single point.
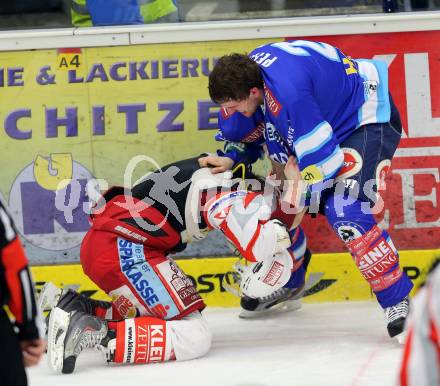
(49, 296)
(58, 323)
(401, 338)
(287, 306)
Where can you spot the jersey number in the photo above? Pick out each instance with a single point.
(324, 49)
(295, 48)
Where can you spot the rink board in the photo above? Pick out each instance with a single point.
(340, 281)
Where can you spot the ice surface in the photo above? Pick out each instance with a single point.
(338, 344)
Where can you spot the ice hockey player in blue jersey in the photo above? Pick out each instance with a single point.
(318, 106)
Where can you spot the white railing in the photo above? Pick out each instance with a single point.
(220, 30)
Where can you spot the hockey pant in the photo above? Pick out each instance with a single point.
(349, 209)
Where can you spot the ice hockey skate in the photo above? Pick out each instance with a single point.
(48, 297)
(282, 300)
(67, 299)
(69, 333)
(396, 317)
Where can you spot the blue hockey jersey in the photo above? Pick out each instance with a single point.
(315, 97)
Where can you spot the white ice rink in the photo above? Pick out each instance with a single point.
(340, 344)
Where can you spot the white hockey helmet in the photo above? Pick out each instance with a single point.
(264, 277)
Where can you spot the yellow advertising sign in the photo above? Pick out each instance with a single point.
(341, 280)
(74, 118)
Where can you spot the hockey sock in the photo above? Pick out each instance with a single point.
(372, 250)
(142, 340)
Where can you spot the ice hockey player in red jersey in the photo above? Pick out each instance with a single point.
(155, 313)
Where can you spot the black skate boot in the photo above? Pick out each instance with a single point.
(396, 317)
(281, 300)
(67, 299)
(71, 332)
(71, 300)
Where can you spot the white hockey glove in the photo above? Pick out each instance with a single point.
(264, 277)
(272, 239)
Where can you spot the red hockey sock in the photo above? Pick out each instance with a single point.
(142, 340)
(113, 312)
(101, 312)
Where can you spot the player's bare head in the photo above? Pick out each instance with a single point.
(233, 77)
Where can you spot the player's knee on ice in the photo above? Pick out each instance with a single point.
(191, 336)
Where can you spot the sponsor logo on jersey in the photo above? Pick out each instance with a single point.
(311, 174)
(180, 284)
(352, 163)
(359, 245)
(129, 349)
(374, 257)
(271, 102)
(370, 87)
(255, 134)
(348, 233)
(290, 132)
(348, 230)
(380, 257)
(144, 279)
(129, 345)
(274, 273)
(151, 342)
(271, 133)
(128, 232)
(124, 306)
(234, 146)
(381, 173)
(226, 197)
(160, 311)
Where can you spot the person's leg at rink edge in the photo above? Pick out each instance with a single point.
(349, 212)
(155, 313)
